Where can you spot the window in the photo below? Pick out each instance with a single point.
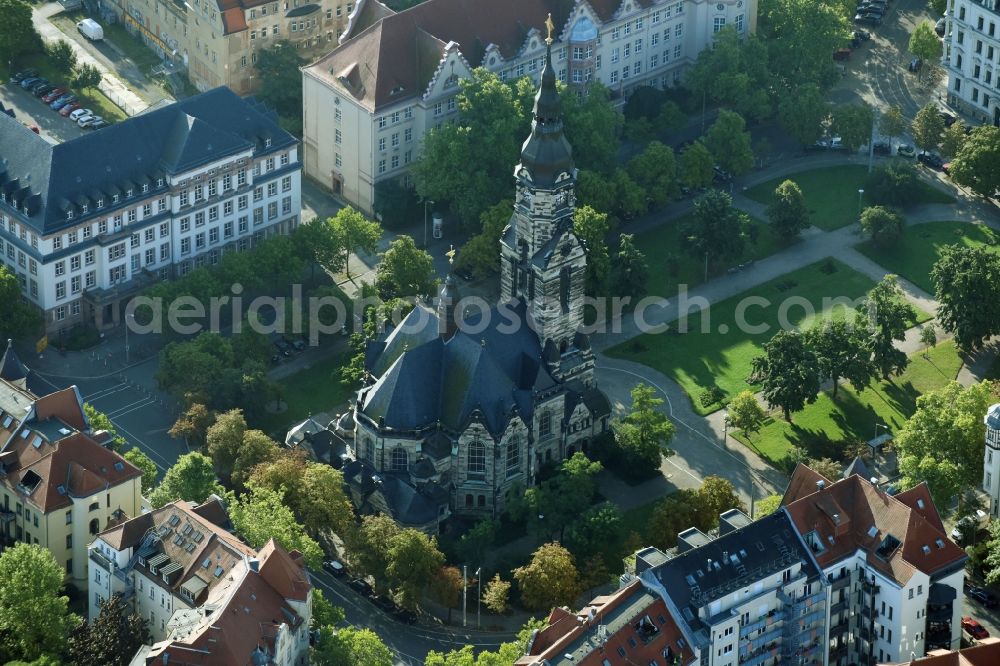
(286, 184)
(272, 210)
(150, 257)
(337, 137)
(213, 188)
(399, 459)
(679, 30)
(258, 215)
(513, 456)
(90, 280)
(627, 51)
(185, 245)
(739, 23)
(149, 235)
(69, 540)
(284, 159)
(270, 164)
(199, 241)
(242, 202)
(69, 517)
(227, 208)
(213, 213)
(286, 204)
(184, 199)
(272, 188)
(74, 284)
(199, 219)
(638, 45)
(60, 267)
(614, 54)
(213, 235)
(241, 177)
(227, 230)
(381, 166)
(477, 458)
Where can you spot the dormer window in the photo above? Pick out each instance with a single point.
(84, 208)
(159, 182)
(69, 215)
(114, 198)
(100, 203)
(128, 193)
(267, 143)
(145, 188)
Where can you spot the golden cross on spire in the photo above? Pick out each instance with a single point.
(551, 26)
(451, 255)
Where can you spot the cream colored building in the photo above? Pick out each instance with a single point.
(393, 76)
(58, 486)
(217, 41)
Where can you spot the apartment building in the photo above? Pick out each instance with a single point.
(752, 595)
(895, 577)
(87, 224)
(629, 626)
(985, 653)
(216, 42)
(991, 459)
(394, 76)
(210, 598)
(972, 58)
(58, 486)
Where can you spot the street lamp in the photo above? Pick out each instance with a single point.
(861, 193)
(725, 428)
(479, 598)
(127, 318)
(426, 201)
(465, 582)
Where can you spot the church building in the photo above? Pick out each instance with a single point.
(459, 408)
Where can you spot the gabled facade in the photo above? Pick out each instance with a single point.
(394, 76)
(972, 58)
(87, 224)
(58, 486)
(991, 459)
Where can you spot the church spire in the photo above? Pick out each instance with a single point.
(547, 153)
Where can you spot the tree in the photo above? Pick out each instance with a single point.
(480, 253)
(925, 44)
(17, 317)
(672, 515)
(596, 190)
(278, 73)
(369, 547)
(591, 124)
(655, 171)
(718, 229)
(112, 638)
(146, 466)
(853, 123)
(893, 184)
(967, 286)
(883, 319)
(591, 532)
(61, 55)
(882, 224)
(801, 35)
(193, 424)
(353, 233)
(87, 76)
(977, 164)
(734, 73)
(446, 588)
(260, 515)
(34, 616)
(17, 30)
(841, 353)
(928, 337)
(729, 142)
(496, 595)
(629, 196)
(892, 123)
(788, 373)
(255, 449)
(629, 272)
(746, 413)
(549, 579)
(825, 467)
(715, 496)
(944, 439)
(697, 166)
(953, 139)
(224, 439)
(927, 127)
(191, 478)
(767, 506)
(787, 212)
(643, 435)
(591, 227)
(405, 270)
(413, 559)
(99, 421)
(325, 504)
(803, 113)
(350, 646)
(324, 613)
(474, 544)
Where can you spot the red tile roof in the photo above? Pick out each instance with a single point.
(65, 405)
(623, 614)
(853, 514)
(987, 653)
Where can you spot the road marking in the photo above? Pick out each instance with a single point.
(125, 409)
(97, 395)
(141, 444)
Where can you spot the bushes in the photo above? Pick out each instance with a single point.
(82, 337)
(894, 184)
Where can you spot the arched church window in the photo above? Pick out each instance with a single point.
(367, 449)
(399, 460)
(513, 456)
(564, 289)
(477, 457)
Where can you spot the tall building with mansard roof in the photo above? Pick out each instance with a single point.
(459, 409)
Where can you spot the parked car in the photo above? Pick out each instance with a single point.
(842, 54)
(39, 89)
(405, 615)
(69, 108)
(384, 603)
(868, 19)
(30, 81)
(34, 128)
(830, 143)
(906, 151)
(982, 595)
(882, 148)
(946, 167)
(282, 346)
(80, 113)
(62, 101)
(975, 629)
(297, 343)
(915, 65)
(862, 35)
(98, 125)
(22, 75)
(53, 95)
(334, 567)
(361, 586)
(465, 273)
(963, 525)
(948, 118)
(930, 160)
(87, 121)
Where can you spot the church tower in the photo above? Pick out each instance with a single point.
(542, 260)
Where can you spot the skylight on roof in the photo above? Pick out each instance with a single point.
(218, 571)
(926, 549)
(873, 531)
(119, 467)
(206, 562)
(37, 441)
(7, 421)
(25, 433)
(939, 543)
(920, 504)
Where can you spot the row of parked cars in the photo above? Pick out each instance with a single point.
(362, 587)
(871, 12)
(59, 98)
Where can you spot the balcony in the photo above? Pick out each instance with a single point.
(772, 617)
(764, 656)
(841, 582)
(838, 653)
(99, 559)
(839, 629)
(839, 606)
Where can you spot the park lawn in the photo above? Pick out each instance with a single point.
(913, 255)
(310, 391)
(824, 428)
(671, 264)
(831, 193)
(721, 355)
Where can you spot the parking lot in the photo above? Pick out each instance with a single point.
(32, 111)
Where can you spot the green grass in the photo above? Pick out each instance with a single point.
(310, 391)
(825, 427)
(698, 360)
(91, 98)
(636, 519)
(143, 57)
(914, 255)
(663, 244)
(831, 193)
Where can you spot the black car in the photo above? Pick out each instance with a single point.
(862, 35)
(23, 74)
(361, 587)
(867, 19)
(298, 344)
(721, 175)
(384, 603)
(405, 615)
(41, 88)
(465, 273)
(882, 148)
(982, 595)
(334, 567)
(930, 160)
(915, 65)
(948, 118)
(283, 347)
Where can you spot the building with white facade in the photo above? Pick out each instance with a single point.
(895, 577)
(972, 58)
(991, 459)
(209, 598)
(394, 76)
(87, 224)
